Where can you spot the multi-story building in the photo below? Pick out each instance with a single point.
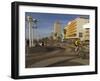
(57, 30)
(86, 32)
(74, 29)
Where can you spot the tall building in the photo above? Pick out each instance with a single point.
(86, 32)
(57, 30)
(74, 29)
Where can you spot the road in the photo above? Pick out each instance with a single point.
(52, 56)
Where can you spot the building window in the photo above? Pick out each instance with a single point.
(80, 35)
(65, 31)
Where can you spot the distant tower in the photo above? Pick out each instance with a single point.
(57, 30)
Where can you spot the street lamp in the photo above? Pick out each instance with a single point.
(34, 26)
(32, 23)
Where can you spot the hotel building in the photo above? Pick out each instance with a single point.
(74, 29)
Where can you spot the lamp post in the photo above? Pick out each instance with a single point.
(32, 23)
(34, 26)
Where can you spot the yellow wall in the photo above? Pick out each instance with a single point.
(75, 27)
(71, 29)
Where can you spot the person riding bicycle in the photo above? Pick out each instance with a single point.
(78, 46)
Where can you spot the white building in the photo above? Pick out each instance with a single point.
(86, 32)
(57, 30)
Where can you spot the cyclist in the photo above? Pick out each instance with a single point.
(77, 46)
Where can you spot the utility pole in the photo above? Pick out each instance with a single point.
(32, 23)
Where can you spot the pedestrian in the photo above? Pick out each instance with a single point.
(42, 43)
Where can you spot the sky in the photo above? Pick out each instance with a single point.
(46, 22)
